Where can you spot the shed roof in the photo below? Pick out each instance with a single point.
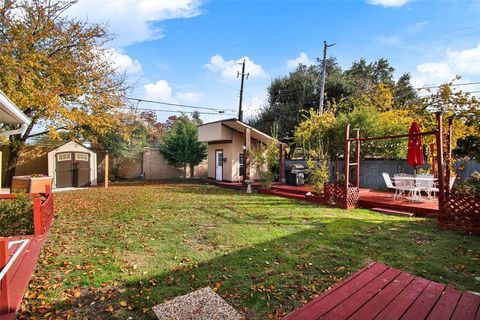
(240, 126)
(71, 146)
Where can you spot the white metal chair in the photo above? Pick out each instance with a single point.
(388, 182)
(406, 185)
(426, 184)
(435, 189)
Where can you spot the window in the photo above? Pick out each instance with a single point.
(241, 165)
(81, 156)
(64, 157)
(219, 159)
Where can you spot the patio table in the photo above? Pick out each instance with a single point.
(416, 196)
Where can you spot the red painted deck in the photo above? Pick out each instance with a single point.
(368, 199)
(374, 199)
(21, 270)
(380, 292)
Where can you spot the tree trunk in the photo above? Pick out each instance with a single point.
(13, 155)
(185, 171)
(192, 168)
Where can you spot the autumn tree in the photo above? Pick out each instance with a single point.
(56, 70)
(291, 97)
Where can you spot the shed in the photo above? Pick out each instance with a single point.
(72, 165)
(228, 144)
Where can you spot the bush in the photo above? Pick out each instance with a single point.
(265, 157)
(470, 186)
(318, 174)
(16, 216)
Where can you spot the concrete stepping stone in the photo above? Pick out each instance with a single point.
(203, 304)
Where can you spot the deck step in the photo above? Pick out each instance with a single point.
(289, 189)
(289, 195)
(393, 212)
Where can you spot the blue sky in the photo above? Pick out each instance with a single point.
(187, 51)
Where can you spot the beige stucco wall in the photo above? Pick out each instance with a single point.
(231, 150)
(156, 167)
(214, 132)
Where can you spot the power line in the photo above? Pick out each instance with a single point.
(453, 85)
(176, 104)
(178, 111)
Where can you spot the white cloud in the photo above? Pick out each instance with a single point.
(189, 97)
(227, 70)
(133, 21)
(253, 108)
(162, 91)
(159, 90)
(464, 63)
(388, 3)
(301, 59)
(123, 63)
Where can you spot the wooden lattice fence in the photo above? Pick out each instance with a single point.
(461, 211)
(338, 196)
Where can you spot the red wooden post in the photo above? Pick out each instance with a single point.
(281, 166)
(346, 162)
(246, 156)
(448, 160)
(37, 217)
(357, 159)
(441, 182)
(432, 152)
(4, 299)
(336, 168)
(48, 189)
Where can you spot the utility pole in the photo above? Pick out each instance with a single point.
(324, 71)
(243, 74)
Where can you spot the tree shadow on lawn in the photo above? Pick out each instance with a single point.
(280, 275)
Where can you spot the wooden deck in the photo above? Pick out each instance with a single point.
(384, 200)
(22, 268)
(368, 199)
(381, 292)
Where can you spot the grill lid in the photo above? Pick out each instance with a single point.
(297, 166)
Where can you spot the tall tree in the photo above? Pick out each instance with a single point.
(290, 97)
(56, 70)
(180, 144)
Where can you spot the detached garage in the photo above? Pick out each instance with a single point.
(72, 165)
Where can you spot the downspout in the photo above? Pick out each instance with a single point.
(20, 130)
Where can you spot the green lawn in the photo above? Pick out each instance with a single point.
(115, 253)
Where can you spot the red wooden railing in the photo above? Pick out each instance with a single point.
(43, 213)
(42, 220)
(4, 297)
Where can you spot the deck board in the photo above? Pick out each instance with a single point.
(21, 271)
(381, 292)
(425, 302)
(467, 307)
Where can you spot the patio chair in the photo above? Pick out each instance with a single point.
(435, 189)
(388, 182)
(426, 184)
(405, 185)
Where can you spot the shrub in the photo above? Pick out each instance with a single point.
(470, 186)
(318, 174)
(16, 216)
(265, 157)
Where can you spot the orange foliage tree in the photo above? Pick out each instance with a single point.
(56, 70)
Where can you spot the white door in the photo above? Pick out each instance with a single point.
(219, 165)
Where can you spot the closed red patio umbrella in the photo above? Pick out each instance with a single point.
(415, 149)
